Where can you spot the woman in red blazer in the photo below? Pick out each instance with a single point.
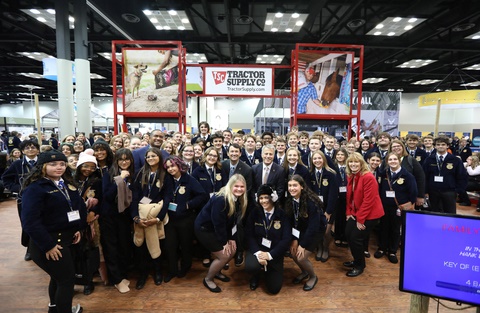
(364, 209)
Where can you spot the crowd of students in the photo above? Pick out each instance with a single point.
(155, 202)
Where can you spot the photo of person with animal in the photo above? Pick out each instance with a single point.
(321, 83)
(157, 92)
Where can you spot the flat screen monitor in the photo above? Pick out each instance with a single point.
(441, 256)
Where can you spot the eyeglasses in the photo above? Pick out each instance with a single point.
(30, 148)
(86, 167)
(123, 160)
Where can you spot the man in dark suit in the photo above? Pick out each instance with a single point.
(268, 172)
(250, 155)
(156, 141)
(383, 143)
(231, 166)
(445, 177)
(463, 150)
(328, 149)
(204, 129)
(412, 148)
(428, 144)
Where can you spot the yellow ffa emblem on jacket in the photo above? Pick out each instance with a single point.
(181, 190)
(449, 166)
(208, 144)
(72, 188)
(276, 224)
(379, 180)
(257, 161)
(464, 150)
(158, 184)
(325, 182)
(218, 177)
(90, 193)
(418, 158)
(400, 181)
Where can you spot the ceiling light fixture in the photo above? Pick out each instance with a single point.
(46, 16)
(356, 23)
(425, 82)
(284, 22)
(168, 20)
(373, 80)
(416, 63)
(269, 59)
(395, 26)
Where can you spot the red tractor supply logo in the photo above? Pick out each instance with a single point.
(219, 77)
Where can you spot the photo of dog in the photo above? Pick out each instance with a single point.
(134, 78)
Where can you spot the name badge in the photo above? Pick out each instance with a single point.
(172, 207)
(342, 189)
(390, 194)
(321, 198)
(234, 230)
(267, 243)
(145, 200)
(211, 194)
(438, 179)
(73, 216)
(296, 233)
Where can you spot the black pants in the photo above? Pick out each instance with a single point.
(62, 276)
(273, 275)
(25, 239)
(443, 201)
(116, 239)
(340, 218)
(356, 238)
(179, 236)
(390, 230)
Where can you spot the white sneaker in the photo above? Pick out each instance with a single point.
(77, 309)
(122, 287)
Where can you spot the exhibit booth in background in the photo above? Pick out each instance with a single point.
(157, 82)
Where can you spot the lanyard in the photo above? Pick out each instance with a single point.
(64, 192)
(150, 184)
(296, 212)
(318, 181)
(269, 226)
(82, 185)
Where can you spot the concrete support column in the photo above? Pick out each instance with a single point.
(82, 68)
(66, 121)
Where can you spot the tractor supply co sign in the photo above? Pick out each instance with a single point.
(242, 81)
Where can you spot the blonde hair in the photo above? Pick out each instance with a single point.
(227, 193)
(357, 157)
(325, 163)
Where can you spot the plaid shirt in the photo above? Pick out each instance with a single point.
(305, 94)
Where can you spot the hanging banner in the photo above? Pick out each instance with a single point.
(380, 111)
(238, 81)
(324, 83)
(150, 80)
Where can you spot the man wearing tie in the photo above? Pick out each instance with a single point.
(204, 129)
(412, 148)
(428, 143)
(270, 173)
(280, 155)
(329, 151)
(445, 176)
(250, 155)
(227, 138)
(383, 143)
(13, 178)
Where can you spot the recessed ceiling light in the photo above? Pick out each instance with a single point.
(425, 82)
(373, 80)
(269, 58)
(416, 63)
(356, 23)
(395, 26)
(474, 36)
(46, 16)
(472, 84)
(168, 20)
(195, 58)
(275, 22)
(31, 75)
(30, 86)
(473, 67)
(38, 56)
(131, 18)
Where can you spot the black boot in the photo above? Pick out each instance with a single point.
(157, 276)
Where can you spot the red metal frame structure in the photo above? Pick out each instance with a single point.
(161, 45)
(355, 50)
